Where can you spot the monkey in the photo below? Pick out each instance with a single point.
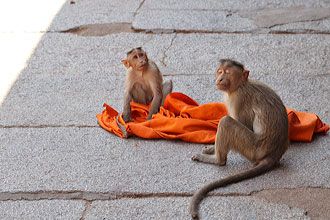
(256, 127)
(144, 83)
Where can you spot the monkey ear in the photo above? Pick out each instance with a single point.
(126, 63)
(246, 74)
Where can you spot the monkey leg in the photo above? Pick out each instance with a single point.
(167, 89)
(233, 135)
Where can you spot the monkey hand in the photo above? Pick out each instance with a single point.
(127, 118)
(149, 117)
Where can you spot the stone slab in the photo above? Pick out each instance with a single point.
(305, 27)
(85, 72)
(271, 17)
(263, 54)
(177, 208)
(72, 55)
(93, 160)
(229, 4)
(232, 16)
(43, 209)
(61, 101)
(190, 20)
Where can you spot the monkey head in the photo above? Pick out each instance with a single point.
(230, 75)
(137, 59)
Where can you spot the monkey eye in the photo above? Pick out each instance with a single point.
(135, 57)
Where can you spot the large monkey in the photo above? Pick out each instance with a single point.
(257, 128)
(144, 83)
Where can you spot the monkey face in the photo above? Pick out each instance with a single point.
(229, 78)
(222, 78)
(138, 60)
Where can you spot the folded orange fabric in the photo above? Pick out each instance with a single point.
(182, 118)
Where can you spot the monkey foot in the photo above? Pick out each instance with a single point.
(208, 150)
(196, 157)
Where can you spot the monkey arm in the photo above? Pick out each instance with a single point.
(127, 106)
(156, 101)
(155, 104)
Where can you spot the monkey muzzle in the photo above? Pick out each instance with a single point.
(143, 66)
(218, 80)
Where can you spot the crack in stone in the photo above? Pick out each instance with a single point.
(164, 54)
(138, 9)
(88, 204)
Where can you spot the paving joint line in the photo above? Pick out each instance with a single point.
(156, 31)
(95, 196)
(103, 196)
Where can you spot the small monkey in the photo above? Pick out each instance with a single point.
(144, 83)
(257, 128)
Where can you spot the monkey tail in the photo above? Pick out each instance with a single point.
(264, 166)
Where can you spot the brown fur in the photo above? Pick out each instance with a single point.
(144, 83)
(257, 128)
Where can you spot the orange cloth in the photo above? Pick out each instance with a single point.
(182, 118)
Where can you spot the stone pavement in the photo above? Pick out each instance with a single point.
(62, 61)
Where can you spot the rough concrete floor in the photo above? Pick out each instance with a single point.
(57, 163)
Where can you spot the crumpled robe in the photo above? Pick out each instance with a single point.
(182, 118)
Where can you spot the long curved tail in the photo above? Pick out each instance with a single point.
(264, 166)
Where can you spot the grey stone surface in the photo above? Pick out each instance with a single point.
(303, 27)
(263, 54)
(81, 73)
(93, 160)
(29, 103)
(94, 12)
(176, 208)
(217, 21)
(85, 72)
(270, 17)
(43, 209)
